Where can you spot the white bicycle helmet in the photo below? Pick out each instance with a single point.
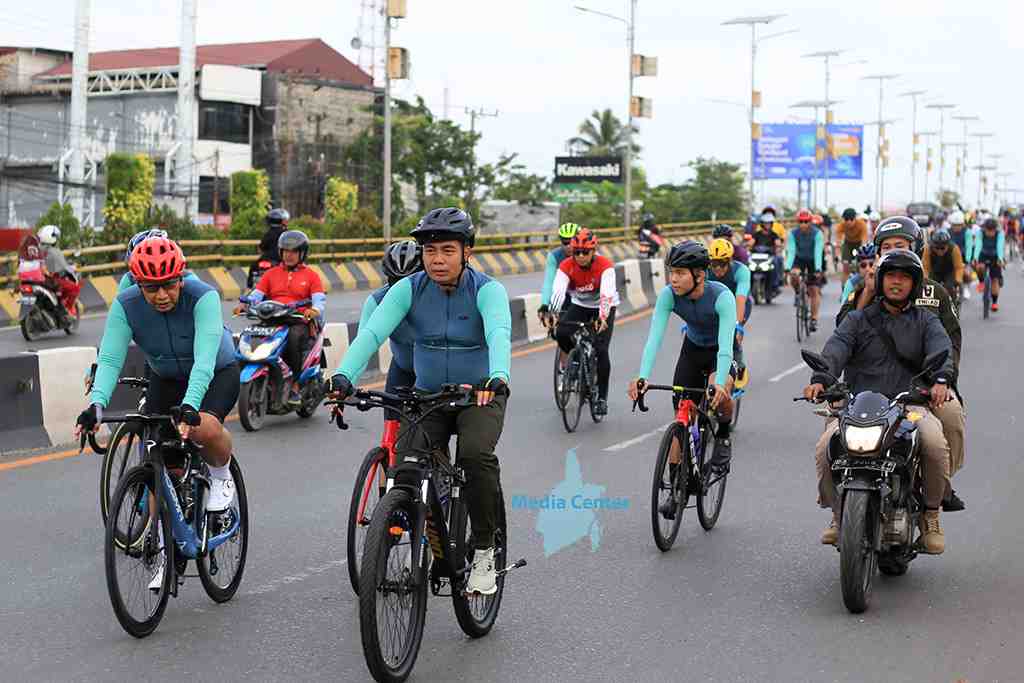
(49, 235)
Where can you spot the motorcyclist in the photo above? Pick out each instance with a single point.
(288, 282)
(879, 348)
(277, 223)
(649, 235)
(768, 241)
(739, 252)
(59, 274)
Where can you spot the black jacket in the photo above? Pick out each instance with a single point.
(856, 349)
(268, 245)
(932, 297)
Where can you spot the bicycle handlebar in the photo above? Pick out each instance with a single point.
(365, 399)
(644, 388)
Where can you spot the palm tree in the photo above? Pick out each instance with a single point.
(603, 135)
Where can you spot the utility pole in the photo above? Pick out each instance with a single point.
(473, 114)
(981, 168)
(397, 67)
(995, 168)
(942, 132)
(185, 167)
(913, 94)
(79, 102)
(216, 184)
(963, 178)
(927, 135)
(881, 154)
(827, 55)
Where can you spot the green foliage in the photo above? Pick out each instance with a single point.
(250, 200)
(947, 199)
(512, 183)
(130, 182)
(603, 134)
(717, 189)
(341, 198)
(72, 235)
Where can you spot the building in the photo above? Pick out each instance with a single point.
(288, 106)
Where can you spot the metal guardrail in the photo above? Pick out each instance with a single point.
(198, 250)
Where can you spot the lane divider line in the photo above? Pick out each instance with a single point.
(622, 445)
(787, 373)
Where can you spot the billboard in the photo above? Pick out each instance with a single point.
(786, 151)
(569, 170)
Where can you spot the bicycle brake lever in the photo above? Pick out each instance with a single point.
(338, 418)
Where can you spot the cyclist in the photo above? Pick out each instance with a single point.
(127, 280)
(709, 311)
(555, 257)
(990, 254)
(59, 275)
(725, 232)
(854, 233)
(401, 259)
(178, 325)
(462, 330)
(866, 256)
(591, 280)
(649, 236)
(288, 282)
(963, 238)
(943, 262)
(805, 250)
(1013, 227)
(736, 276)
(767, 240)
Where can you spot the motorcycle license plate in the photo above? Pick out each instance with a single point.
(258, 331)
(28, 301)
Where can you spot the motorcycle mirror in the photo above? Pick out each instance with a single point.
(815, 361)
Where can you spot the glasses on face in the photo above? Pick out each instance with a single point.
(582, 252)
(154, 287)
(805, 222)
(719, 264)
(864, 265)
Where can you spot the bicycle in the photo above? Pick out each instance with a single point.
(986, 297)
(579, 383)
(125, 449)
(378, 461)
(216, 541)
(802, 306)
(558, 373)
(422, 510)
(693, 430)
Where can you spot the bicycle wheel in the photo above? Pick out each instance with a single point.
(986, 299)
(367, 490)
(664, 487)
(476, 613)
(392, 606)
(220, 570)
(591, 386)
(572, 392)
(712, 487)
(799, 316)
(557, 378)
(131, 566)
(124, 451)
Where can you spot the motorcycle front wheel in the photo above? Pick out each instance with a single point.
(857, 559)
(30, 326)
(253, 401)
(76, 319)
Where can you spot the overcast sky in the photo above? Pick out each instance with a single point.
(545, 66)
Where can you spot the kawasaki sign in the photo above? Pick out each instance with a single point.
(588, 169)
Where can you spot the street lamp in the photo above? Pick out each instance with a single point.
(981, 168)
(963, 178)
(995, 167)
(754, 95)
(816, 105)
(881, 157)
(927, 135)
(942, 131)
(827, 55)
(913, 94)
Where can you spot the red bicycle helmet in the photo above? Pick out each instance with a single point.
(804, 216)
(817, 219)
(584, 239)
(157, 259)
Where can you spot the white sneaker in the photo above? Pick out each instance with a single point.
(966, 293)
(483, 579)
(222, 493)
(157, 582)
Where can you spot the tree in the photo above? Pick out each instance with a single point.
(947, 199)
(512, 183)
(603, 134)
(717, 189)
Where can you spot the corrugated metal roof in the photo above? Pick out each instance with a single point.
(310, 56)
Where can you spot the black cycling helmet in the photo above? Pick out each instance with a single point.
(294, 240)
(941, 237)
(990, 224)
(402, 259)
(648, 220)
(903, 260)
(898, 226)
(688, 254)
(278, 218)
(849, 214)
(445, 224)
(724, 231)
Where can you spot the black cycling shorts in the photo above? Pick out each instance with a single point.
(812, 277)
(994, 269)
(696, 364)
(219, 401)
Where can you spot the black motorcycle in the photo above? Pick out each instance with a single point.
(762, 274)
(876, 466)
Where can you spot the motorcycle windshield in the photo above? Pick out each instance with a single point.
(272, 309)
(867, 407)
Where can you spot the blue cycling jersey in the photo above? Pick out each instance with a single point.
(807, 247)
(555, 258)
(990, 247)
(737, 279)
(461, 337)
(960, 239)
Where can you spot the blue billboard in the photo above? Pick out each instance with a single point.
(786, 151)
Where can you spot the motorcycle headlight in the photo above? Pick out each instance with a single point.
(863, 439)
(261, 352)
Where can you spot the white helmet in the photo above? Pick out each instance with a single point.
(49, 235)
(875, 216)
(956, 218)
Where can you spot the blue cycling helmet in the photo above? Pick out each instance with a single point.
(866, 251)
(139, 236)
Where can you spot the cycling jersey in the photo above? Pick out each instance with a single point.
(961, 238)
(946, 268)
(991, 247)
(401, 339)
(852, 285)
(592, 287)
(856, 233)
(189, 343)
(738, 282)
(460, 337)
(710, 321)
(128, 280)
(555, 258)
(806, 247)
(288, 285)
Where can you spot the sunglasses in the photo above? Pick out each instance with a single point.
(582, 252)
(865, 264)
(153, 288)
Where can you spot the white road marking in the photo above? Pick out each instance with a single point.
(634, 441)
(787, 373)
(301, 576)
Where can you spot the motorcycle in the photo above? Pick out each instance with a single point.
(41, 310)
(762, 271)
(876, 466)
(265, 378)
(649, 243)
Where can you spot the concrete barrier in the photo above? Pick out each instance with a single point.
(634, 286)
(62, 390)
(338, 334)
(535, 331)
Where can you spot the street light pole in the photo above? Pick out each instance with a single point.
(942, 131)
(387, 129)
(927, 135)
(913, 94)
(981, 159)
(827, 54)
(963, 176)
(628, 209)
(879, 173)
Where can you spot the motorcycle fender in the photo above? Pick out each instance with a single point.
(859, 485)
(252, 371)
